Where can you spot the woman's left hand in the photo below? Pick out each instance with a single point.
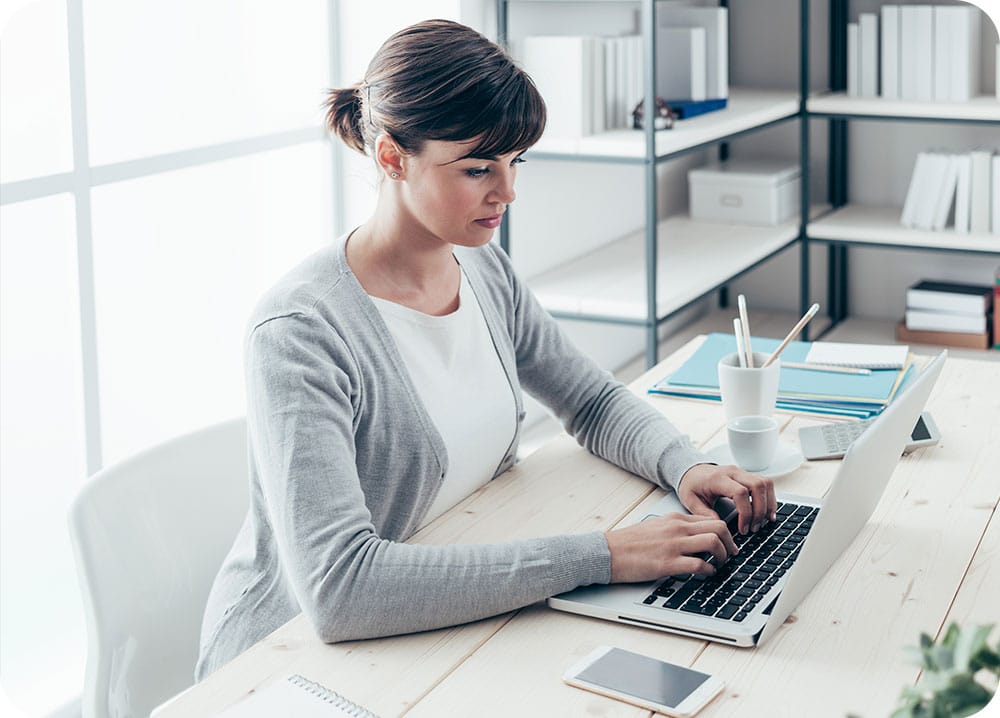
(753, 495)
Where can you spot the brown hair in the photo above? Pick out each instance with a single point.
(439, 80)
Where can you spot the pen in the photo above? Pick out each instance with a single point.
(738, 331)
(795, 330)
(826, 367)
(741, 301)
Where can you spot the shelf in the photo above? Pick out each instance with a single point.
(979, 109)
(692, 258)
(880, 226)
(746, 110)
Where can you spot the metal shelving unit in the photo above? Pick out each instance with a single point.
(850, 225)
(746, 113)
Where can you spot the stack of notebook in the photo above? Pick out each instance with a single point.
(800, 390)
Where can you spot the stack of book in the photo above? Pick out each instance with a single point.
(948, 314)
(915, 52)
(593, 84)
(954, 189)
(823, 393)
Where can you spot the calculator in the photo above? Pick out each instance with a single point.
(831, 441)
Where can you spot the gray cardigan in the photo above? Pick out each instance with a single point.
(345, 462)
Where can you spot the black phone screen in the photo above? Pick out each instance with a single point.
(643, 677)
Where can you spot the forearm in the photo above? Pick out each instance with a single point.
(381, 588)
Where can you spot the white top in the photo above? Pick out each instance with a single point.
(458, 375)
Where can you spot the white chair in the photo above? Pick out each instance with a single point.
(149, 535)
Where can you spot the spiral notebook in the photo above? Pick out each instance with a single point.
(299, 697)
(861, 356)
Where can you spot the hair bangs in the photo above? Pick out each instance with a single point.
(510, 117)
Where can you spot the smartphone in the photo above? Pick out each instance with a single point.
(643, 681)
(831, 441)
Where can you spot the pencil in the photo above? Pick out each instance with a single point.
(826, 367)
(791, 335)
(741, 301)
(738, 331)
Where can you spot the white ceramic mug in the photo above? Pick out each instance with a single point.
(745, 391)
(753, 441)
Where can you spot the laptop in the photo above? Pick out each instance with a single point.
(753, 593)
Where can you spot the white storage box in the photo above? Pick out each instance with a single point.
(745, 191)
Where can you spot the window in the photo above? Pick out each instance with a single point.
(161, 165)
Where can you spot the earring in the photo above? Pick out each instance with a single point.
(395, 175)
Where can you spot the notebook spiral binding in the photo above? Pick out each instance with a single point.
(331, 697)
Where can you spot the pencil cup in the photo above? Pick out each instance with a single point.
(747, 391)
(753, 441)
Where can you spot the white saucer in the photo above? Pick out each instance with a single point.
(787, 458)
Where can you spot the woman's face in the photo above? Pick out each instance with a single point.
(456, 198)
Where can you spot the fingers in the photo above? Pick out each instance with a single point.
(708, 527)
(741, 497)
(711, 543)
(753, 495)
(692, 564)
(668, 545)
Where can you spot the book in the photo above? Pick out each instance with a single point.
(931, 186)
(928, 320)
(916, 36)
(945, 199)
(909, 216)
(623, 111)
(979, 198)
(966, 47)
(957, 297)
(715, 21)
(868, 36)
(295, 696)
(861, 356)
(612, 117)
(561, 68)
(946, 195)
(686, 109)
(800, 390)
(598, 96)
(680, 63)
(944, 339)
(962, 185)
(942, 52)
(890, 52)
(853, 60)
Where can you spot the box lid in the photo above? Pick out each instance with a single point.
(746, 172)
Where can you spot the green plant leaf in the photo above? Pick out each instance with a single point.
(947, 687)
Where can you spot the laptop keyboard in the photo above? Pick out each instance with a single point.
(742, 581)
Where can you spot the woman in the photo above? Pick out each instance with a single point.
(384, 385)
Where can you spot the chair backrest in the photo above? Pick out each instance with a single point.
(149, 535)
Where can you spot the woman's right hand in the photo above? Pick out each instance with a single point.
(666, 546)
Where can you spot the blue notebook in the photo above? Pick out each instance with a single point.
(858, 395)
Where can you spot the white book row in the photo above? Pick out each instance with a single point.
(592, 84)
(916, 52)
(961, 189)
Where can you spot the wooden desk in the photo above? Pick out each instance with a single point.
(930, 555)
